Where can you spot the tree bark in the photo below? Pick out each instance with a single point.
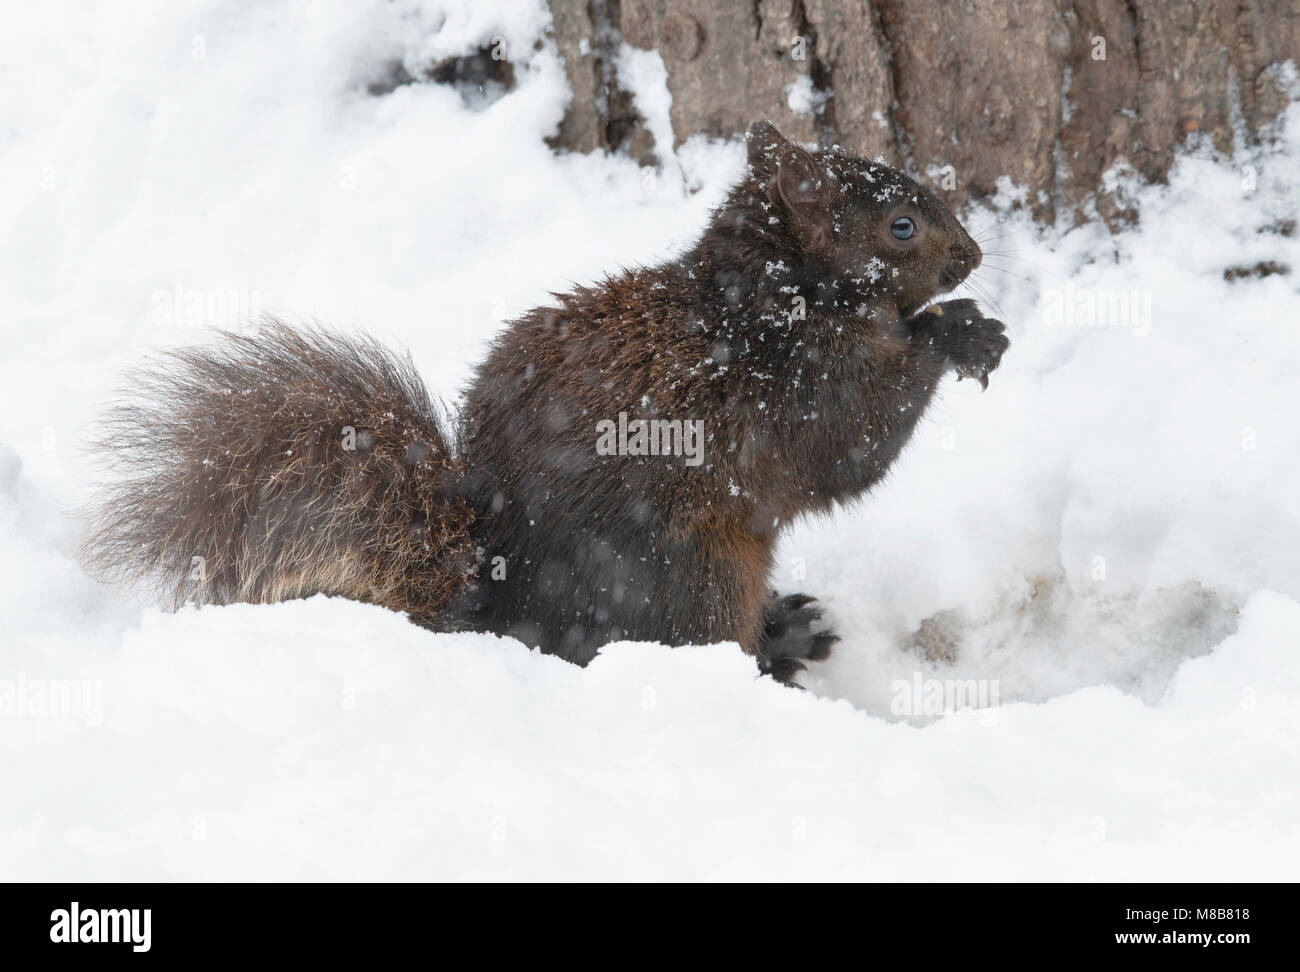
(1048, 94)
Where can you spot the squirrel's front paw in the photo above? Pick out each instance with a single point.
(971, 343)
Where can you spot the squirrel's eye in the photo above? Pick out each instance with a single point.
(902, 228)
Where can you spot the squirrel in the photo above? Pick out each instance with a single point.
(624, 461)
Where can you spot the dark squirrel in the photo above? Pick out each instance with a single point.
(625, 460)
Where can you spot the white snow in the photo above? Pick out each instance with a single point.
(644, 73)
(802, 97)
(1107, 541)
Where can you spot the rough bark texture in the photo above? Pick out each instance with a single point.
(1048, 93)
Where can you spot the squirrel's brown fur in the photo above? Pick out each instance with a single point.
(795, 330)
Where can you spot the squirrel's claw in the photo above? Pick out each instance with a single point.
(978, 374)
(973, 344)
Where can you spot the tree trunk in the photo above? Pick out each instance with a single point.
(962, 93)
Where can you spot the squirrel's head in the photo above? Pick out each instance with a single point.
(864, 222)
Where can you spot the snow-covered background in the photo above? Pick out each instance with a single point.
(1107, 541)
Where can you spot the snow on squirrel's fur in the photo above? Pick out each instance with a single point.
(1109, 536)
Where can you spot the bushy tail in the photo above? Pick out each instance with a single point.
(278, 464)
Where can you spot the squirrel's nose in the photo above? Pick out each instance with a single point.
(966, 259)
(961, 263)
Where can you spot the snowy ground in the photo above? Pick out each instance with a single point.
(1107, 541)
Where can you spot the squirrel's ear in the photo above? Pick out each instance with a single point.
(795, 182)
(764, 144)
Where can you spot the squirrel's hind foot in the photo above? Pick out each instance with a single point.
(789, 639)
